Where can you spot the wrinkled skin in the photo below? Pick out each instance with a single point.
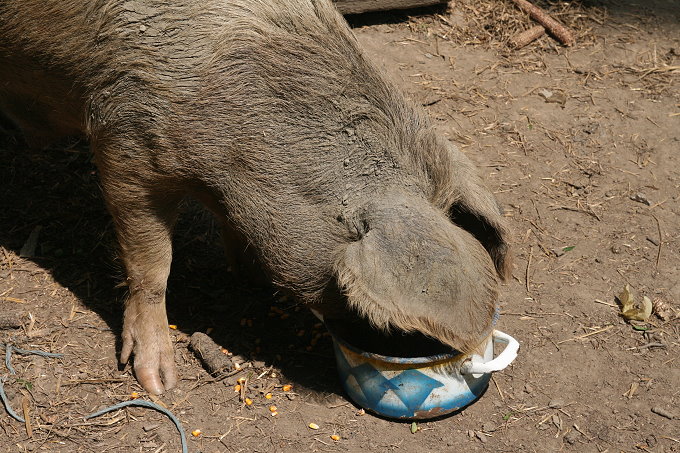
(270, 115)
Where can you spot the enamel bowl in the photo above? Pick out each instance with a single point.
(418, 387)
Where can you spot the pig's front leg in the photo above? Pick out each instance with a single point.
(144, 210)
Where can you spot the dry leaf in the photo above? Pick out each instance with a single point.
(640, 314)
(626, 299)
(629, 310)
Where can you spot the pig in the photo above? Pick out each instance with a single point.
(269, 114)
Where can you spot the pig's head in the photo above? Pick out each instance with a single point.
(427, 248)
(414, 267)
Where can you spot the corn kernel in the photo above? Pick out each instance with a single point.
(196, 432)
(272, 408)
(313, 426)
(173, 326)
(274, 414)
(335, 437)
(241, 380)
(134, 395)
(249, 402)
(287, 388)
(268, 396)
(237, 388)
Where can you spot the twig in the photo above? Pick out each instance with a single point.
(500, 393)
(94, 381)
(651, 345)
(605, 303)
(531, 254)
(567, 208)
(604, 329)
(559, 31)
(658, 251)
(13, 299)
(27, 419)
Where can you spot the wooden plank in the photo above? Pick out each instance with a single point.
(363, 6)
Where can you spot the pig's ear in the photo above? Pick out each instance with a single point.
(472, 206)
(419, 272)
(477, 212)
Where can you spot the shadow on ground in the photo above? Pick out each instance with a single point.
(57, 189)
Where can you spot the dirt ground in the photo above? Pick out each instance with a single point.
(581, 146)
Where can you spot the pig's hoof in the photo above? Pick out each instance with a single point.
(154, 361)
(150, 379)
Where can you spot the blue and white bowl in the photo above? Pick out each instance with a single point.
(419, 387)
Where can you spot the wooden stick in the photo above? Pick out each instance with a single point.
(559, 31)
(527, 37)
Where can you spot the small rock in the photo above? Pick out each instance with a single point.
(651, 441)
(470, 433)
(528, 388)
(150, 427)
(571, 437)
(557, 421)
(481, 437)
(615, 249)
(556, 404)
(488, 427)
(641, 198)
(553, 96)
(653, 241)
